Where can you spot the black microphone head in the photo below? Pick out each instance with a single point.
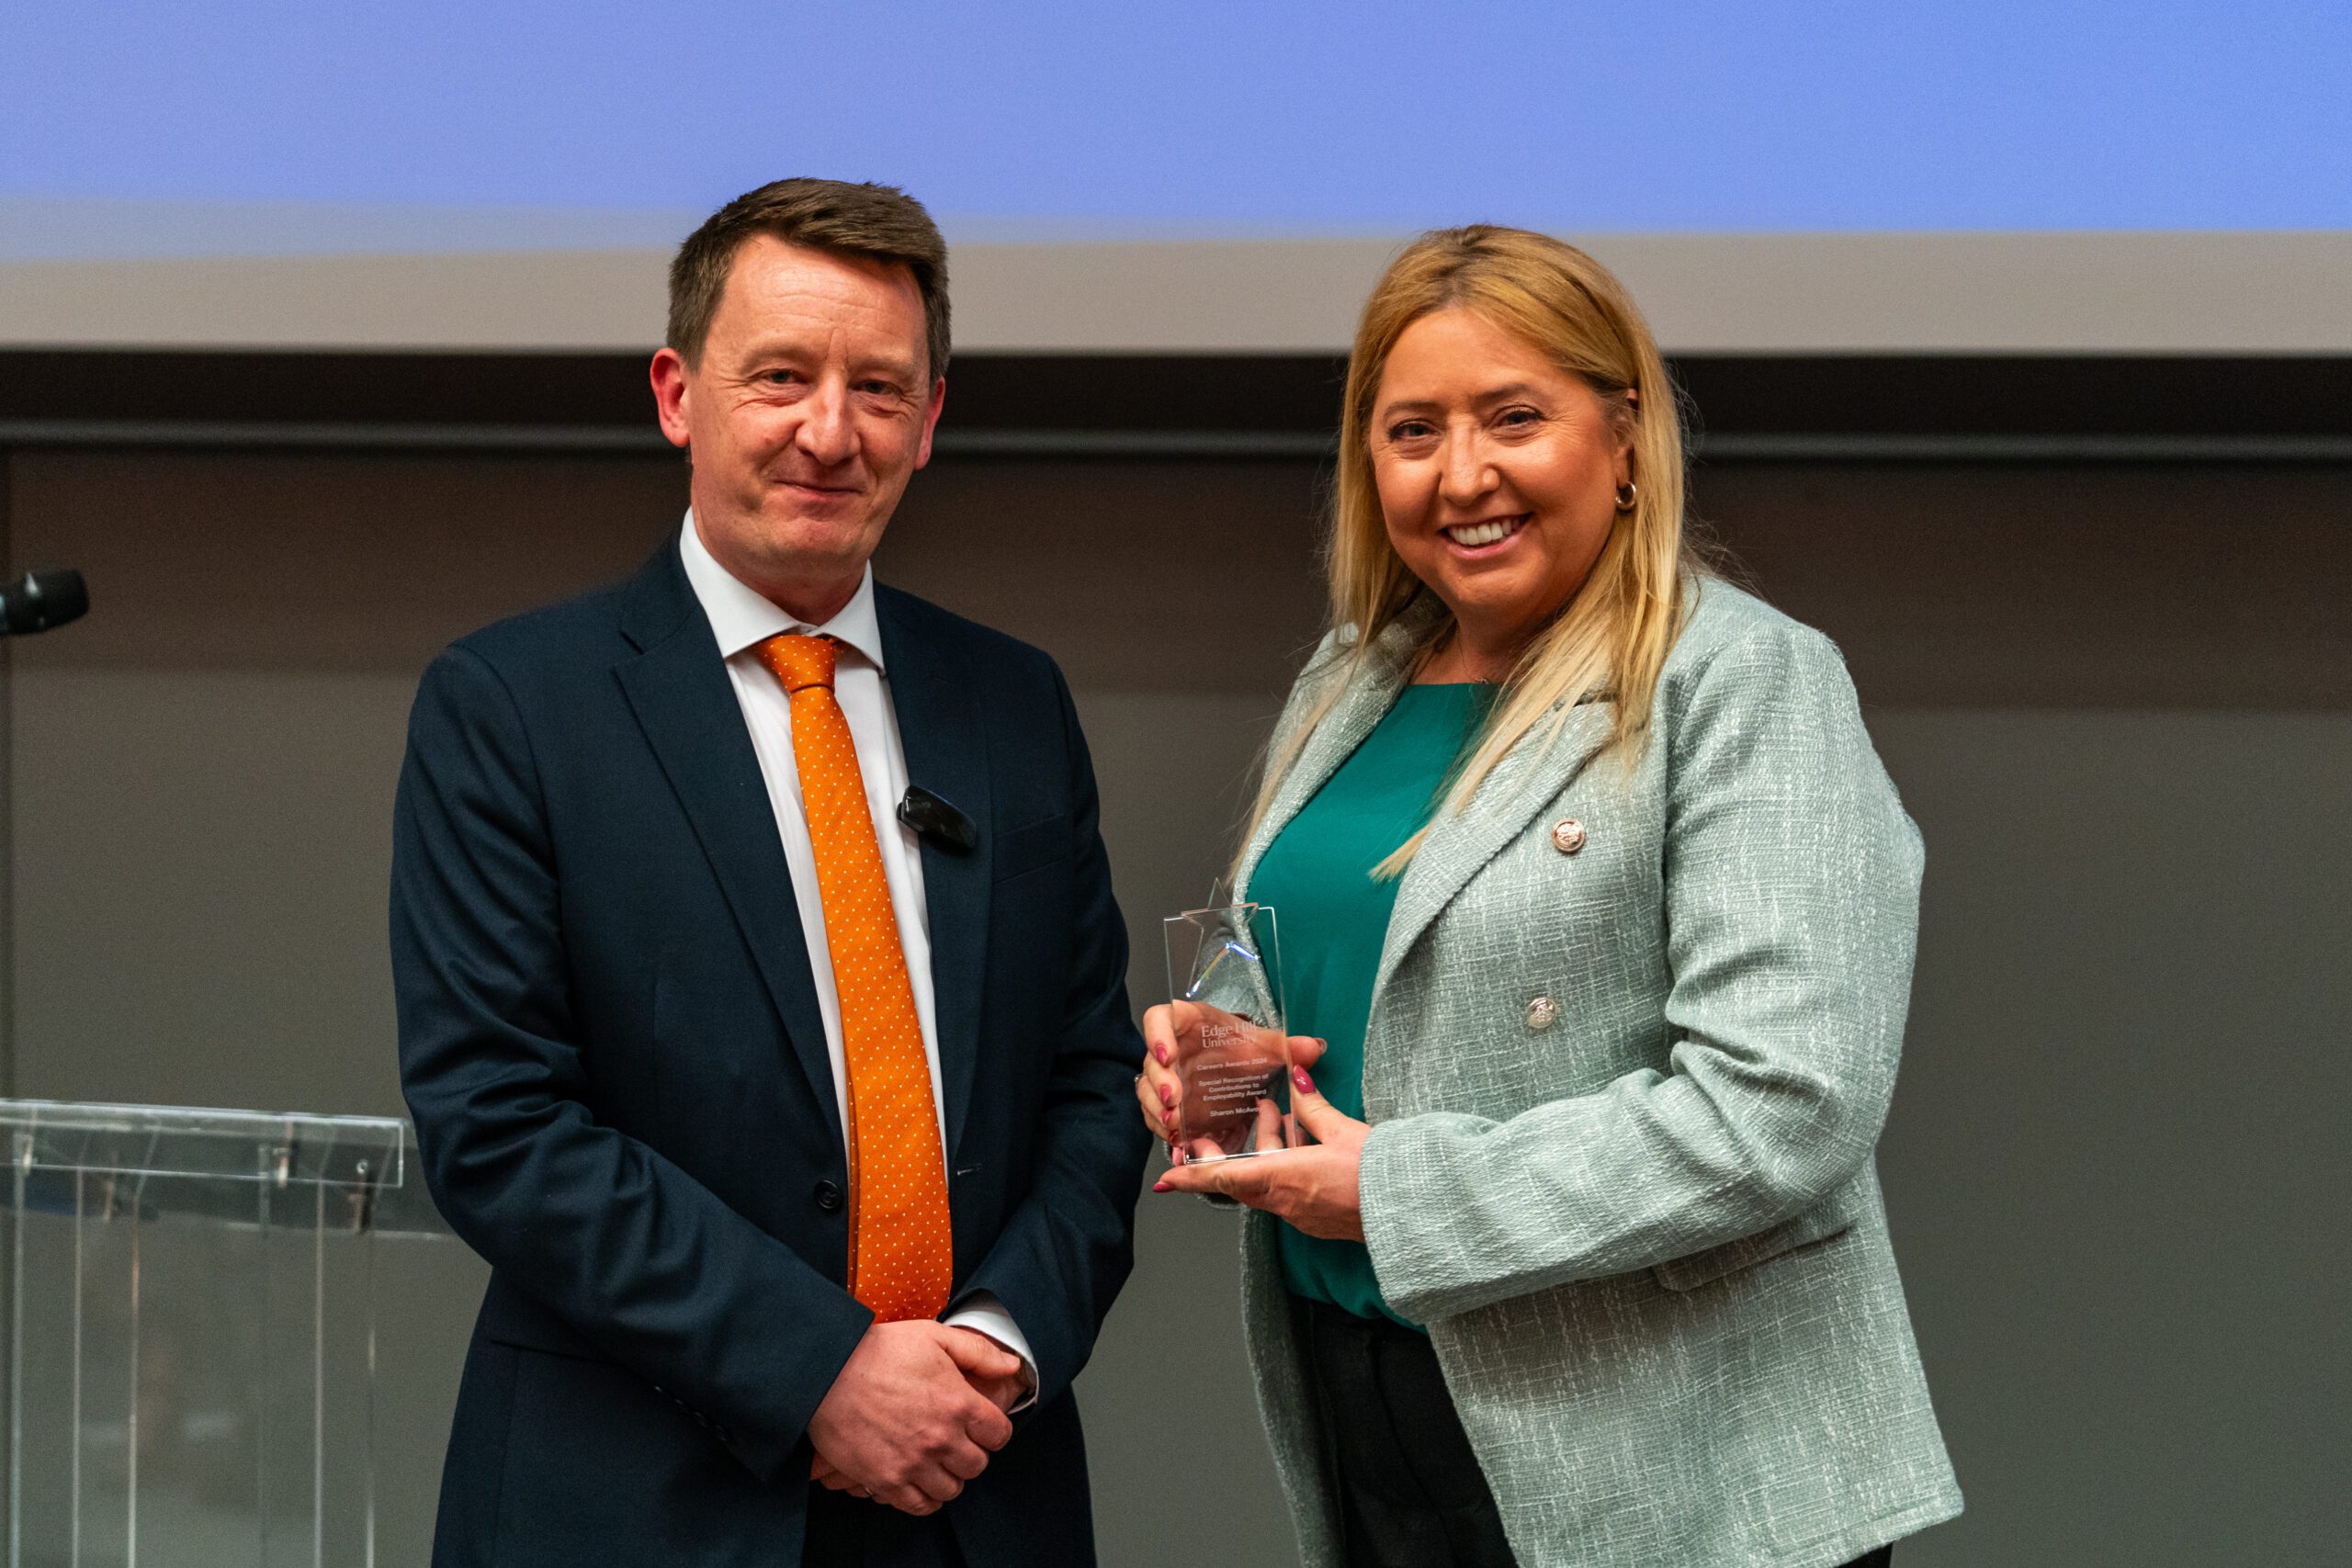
(937, 818)
(40, 600)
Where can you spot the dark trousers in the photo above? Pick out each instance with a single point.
(853, 1532)
(1411, 1494)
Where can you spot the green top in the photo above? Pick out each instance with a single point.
(1332, 917)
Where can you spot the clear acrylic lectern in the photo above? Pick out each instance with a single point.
(192, 1334)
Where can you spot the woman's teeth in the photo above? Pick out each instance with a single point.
(1472, 534)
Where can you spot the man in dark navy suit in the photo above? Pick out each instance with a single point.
(761, 996)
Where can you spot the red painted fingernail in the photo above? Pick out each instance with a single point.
(1159, 1055)
(1160, 1186)
(1299, 1076)
(1167, 1095)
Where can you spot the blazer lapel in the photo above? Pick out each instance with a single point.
(1531, 775)
(1356, 714)
(941, 729)
(680, 692)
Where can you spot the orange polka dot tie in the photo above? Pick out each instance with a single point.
(901, 1256)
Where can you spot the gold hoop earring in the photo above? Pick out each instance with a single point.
(1626, 495)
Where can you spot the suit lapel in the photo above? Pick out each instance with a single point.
(679, 689)
(1356, 714)
(943, 729)
(1527, 779)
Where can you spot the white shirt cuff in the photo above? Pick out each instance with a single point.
(982, 1312)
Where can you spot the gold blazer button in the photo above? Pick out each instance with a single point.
(1567, 835)
(1542, 1013)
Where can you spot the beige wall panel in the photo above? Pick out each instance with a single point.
(2115, 700)
(201, 862)
(1178, 576)
(1968, 293)
(320, 563)
(2116, 1161)
(2047, 586)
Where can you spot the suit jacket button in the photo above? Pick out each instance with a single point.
(1542, 1013)
(1567, 835)
(828, 1196)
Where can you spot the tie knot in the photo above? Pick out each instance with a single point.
(799, 661)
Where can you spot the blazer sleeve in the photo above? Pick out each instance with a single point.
(1066, 1248)
(1792, 879)
(627, 1249)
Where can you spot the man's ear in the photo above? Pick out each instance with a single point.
(669, 377)
(932, 404)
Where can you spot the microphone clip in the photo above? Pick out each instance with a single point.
(936, 821)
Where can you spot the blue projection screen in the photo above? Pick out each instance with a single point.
(1989, 175)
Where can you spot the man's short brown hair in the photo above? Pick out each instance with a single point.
(881, 223)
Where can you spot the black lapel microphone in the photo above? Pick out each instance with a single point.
(936, 821)
(40, 600)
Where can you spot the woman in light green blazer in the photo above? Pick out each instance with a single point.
(1598, 896)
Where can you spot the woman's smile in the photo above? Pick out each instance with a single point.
(1487, 537)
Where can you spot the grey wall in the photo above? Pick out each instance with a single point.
(2119, 702)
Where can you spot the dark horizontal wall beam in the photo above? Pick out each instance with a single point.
(1158, 445)
(1743, 407)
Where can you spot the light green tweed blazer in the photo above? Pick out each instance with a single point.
(1646, 1238)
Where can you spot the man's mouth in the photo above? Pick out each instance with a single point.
(1493, 531)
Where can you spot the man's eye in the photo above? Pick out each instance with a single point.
(780, 378)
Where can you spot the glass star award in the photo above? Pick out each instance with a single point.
(1232, 1055)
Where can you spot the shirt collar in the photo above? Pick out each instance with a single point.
(741, 617)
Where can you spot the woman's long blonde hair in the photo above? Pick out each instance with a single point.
(1611, 638)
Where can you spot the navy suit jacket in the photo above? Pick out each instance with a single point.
(610, 1043)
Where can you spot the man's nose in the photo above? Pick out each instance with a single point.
(826, 433)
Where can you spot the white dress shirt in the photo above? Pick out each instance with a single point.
(741, 619)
